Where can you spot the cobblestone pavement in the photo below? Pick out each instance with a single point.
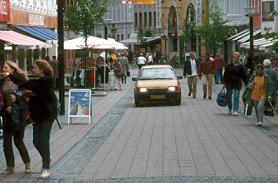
(84, 162)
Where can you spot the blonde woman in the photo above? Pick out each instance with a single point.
(12, 129)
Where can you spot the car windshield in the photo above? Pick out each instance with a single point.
(156, 73)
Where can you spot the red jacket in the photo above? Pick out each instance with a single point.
(219, 62)
(206, 67)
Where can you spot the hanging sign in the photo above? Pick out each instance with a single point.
(80, 104)
(4, 10)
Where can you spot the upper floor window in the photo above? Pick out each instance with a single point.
(267, 8)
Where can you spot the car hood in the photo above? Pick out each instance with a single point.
(156, 83)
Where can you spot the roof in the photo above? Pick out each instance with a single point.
(157, 66)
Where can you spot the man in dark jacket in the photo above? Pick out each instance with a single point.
(234, 74)
(191, 71)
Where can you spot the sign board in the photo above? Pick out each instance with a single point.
(4, 10)
(80, 104)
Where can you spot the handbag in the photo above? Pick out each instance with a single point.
(127, 73)
(221, 98)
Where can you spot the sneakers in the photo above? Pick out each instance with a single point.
(28, 168)
(235, 113)
(8, 170)
(259, 123)
(45, 174)
(230, 112)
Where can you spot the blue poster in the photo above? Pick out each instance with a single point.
(80, 103)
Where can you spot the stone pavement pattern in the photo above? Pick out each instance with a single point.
(194, 142)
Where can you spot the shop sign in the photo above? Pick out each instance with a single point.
(36, 19)
(80, 104)
(4, 10)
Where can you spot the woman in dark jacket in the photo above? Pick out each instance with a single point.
(234, 74)
(43, 107)
(13, 128)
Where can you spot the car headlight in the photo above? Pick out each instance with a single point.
(143, 90)
(172, 89)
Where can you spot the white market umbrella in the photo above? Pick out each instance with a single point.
(92, 42)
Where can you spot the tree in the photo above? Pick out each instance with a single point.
(141, 38)
(273, 35)
(215, 30)
(82, 17)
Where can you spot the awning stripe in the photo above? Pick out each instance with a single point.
(19, 39)
(41, 33)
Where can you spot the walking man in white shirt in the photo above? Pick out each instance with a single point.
(141, 61)
(190, 71)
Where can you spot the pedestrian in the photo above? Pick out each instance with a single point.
(43, 107)
(141, 61)
(273, 76)
(118, 74)
(234, 74)
(206, 72)
(190, 71)
(124, 66)
(13, 125)
(219, 66)
(149, 58)
(261, 90)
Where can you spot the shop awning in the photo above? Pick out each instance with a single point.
(238, 34)
(256, 43)
(16, 38)
(247, 37)
(41, 33)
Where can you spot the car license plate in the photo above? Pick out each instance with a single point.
(157, 97)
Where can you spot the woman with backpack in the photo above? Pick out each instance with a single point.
(43, 107)
(13, 128)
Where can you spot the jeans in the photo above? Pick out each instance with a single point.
(41, 137)
(18, 136)
(259, 108)
(235, 94)
(218, 76)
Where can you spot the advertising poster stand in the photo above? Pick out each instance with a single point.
(80, 104)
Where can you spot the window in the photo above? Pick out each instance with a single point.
(140, 19)
(154, 18)
(267, 8)
(145, 19)
(135, 20)
(150, 19)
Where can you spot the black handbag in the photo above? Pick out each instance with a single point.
(127, 73)
(268, 108)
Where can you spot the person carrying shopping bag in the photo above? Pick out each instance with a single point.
(43, 107)
(13, 125)
(261, 91)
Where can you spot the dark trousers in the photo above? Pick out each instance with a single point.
(18, 136)
(41, 138)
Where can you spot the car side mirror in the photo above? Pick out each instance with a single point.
(134, 79)
(179, 77)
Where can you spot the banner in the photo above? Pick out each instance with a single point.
(4, 10)
(138, 1)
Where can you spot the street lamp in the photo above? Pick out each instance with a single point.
(250, 12)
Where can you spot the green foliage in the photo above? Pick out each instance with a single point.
(141, 37)
(214, 32)
(85, 15)
(273, 35)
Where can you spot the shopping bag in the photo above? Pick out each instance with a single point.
(268, 108)
(221, 98)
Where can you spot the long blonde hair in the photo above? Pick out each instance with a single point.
(17, 70)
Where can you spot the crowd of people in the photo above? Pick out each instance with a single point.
(261, 86)
(42, 107)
